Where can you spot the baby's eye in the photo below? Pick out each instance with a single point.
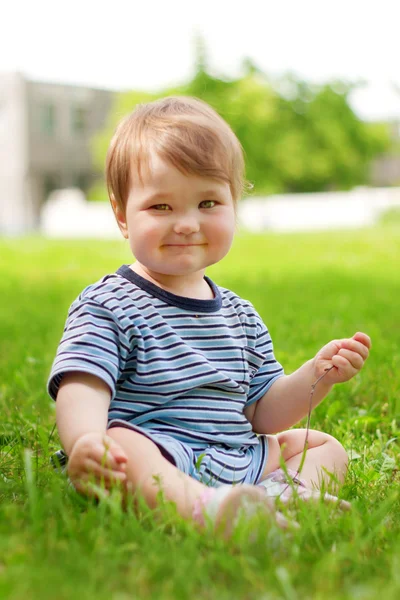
(207, 204)
(162, 207)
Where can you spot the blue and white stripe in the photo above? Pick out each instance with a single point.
(179, 369)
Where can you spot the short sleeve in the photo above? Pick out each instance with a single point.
(92, 342)
(263, 366)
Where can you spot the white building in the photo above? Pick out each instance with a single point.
(45, 131)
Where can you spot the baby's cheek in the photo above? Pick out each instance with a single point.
(223, 236)
(144, 242)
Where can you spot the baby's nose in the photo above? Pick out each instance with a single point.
(186, 225)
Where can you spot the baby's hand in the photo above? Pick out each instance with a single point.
(346, 356)
(96, 461)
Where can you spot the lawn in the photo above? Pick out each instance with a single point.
(309, 289)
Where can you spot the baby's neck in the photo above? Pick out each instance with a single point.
(193, 286)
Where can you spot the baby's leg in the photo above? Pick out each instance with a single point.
(324, 455)
(148, 471)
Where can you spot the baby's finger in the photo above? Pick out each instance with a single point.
(354, 359)
(342, 364)
(363, 338)
(103, 457)
(115, 450)
(355, 346)
(93, 468)
(119, 456)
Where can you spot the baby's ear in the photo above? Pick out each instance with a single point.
(120, 216)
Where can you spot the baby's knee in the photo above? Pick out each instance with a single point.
(337, 451)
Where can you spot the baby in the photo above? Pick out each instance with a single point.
(162, 377)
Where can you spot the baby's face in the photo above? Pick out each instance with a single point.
(178, 224)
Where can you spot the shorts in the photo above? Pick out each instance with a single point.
(211, 464)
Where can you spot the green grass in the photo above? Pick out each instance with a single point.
(309, 289)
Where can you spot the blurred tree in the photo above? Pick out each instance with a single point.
(322, 144)
(297, 137)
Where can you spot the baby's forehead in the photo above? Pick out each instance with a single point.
(161, 175)
(157, 169)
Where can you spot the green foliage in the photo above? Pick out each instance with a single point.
(97, 191)
(297, 137)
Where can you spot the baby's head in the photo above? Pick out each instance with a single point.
(182, 131)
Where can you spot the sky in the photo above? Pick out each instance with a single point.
(149, 44)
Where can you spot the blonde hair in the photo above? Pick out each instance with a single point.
(183, 131)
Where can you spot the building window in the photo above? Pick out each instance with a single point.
(78, 119)
(48, 119)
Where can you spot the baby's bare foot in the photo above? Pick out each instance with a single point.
(226, 504)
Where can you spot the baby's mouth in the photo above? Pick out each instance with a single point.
(183, 245)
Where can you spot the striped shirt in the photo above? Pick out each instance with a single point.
(176, 366)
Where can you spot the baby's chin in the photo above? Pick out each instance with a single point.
(180, 272)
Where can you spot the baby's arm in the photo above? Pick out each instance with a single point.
(287, 400)
(81, 412)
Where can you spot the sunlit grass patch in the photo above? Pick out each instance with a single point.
(309, 289)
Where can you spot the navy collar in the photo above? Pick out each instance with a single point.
(192, 304)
